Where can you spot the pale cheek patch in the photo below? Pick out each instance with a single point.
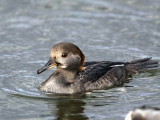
(76, 58)
(71, 60)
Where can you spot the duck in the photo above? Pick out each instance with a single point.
(73, 75)
(144, 113)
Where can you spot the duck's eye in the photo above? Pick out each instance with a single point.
(64, 55)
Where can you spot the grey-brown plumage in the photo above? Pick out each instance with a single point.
(72, 76)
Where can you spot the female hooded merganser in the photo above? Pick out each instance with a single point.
(73, 75)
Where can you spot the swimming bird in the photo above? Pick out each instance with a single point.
(73, 75)
(144, 113)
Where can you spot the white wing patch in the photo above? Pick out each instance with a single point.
(118, 65)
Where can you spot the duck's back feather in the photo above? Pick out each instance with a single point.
(108, 74)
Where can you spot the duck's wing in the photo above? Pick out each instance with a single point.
(107, 75)
(95, 70)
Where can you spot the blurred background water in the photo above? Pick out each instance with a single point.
(117, 30)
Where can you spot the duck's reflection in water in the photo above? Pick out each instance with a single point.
(71, 110)
(68, 108)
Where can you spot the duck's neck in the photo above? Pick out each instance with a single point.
(68, 75)
(58, 82)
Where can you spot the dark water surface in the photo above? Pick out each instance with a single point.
(104, 30)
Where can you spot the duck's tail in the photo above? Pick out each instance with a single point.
(140, 65)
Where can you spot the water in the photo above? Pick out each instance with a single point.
(118, 30)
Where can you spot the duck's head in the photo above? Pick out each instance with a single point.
(65, 55)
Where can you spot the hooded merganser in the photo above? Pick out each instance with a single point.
(144, 113)
(74, 75)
